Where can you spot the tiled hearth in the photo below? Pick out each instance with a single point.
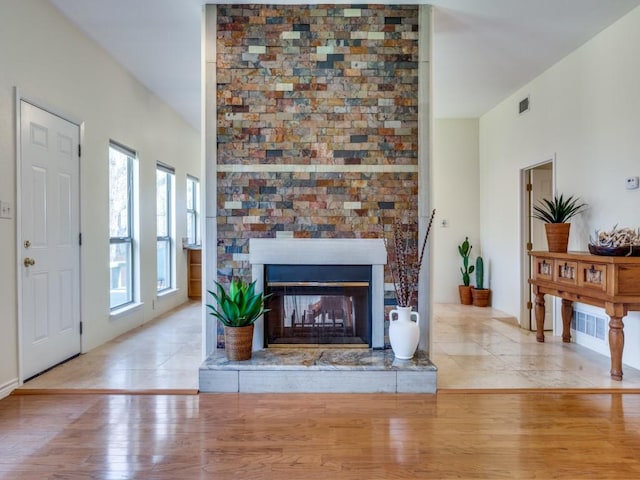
(299, 370)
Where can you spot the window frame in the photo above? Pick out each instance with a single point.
(193, 214)
(130, 238)
(168, 238)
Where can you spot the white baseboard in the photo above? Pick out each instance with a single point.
(7, 388)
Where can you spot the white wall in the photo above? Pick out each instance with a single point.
(456, 192)
(585, 110)
(52, 62)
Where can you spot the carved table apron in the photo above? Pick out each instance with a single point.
(612, 283)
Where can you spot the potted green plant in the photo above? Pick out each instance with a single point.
(238, 309)
(465, 289)
(479, 293)
(556, 214)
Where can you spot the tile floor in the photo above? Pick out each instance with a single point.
(484, 348)
(163, 354)
(472, 348)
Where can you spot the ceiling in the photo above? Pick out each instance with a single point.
(483, 50)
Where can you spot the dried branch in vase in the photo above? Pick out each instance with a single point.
(404, 258)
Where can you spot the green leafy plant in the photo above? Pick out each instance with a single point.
(558, 210)
(465, 250)
(479, 273)
(241, 306)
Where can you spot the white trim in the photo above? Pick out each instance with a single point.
(317, 251)
(7, 388)
(524, 320)
(125, 311)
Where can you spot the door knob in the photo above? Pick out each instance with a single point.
(29, 262)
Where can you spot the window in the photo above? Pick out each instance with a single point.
(121, 256)
(164, 226)
(193, 219)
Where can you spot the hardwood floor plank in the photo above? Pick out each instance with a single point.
(305, 436)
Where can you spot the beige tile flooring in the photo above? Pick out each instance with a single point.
(163, 354)
(472, 348)
(477, 347)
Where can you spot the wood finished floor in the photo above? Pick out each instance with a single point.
(320, 436)
(473, 348)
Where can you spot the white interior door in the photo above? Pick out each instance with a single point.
(541, 179)
(49, 236)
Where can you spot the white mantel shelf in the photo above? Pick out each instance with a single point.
(317, 251)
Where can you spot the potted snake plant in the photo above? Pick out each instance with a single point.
(556, 214)
(238, 309)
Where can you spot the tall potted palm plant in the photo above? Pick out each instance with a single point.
(556, 214)
(238, 309)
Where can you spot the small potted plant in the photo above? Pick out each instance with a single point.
(465, 290)
(238, 309)
(479, 293)
(556, 214)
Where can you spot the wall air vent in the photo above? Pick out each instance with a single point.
(592, 325)
(523, 106)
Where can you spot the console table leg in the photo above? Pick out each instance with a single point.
(540, 317)
(616, 345)
(567, 313)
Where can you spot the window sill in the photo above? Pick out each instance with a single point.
(168, 293)
(125, 311)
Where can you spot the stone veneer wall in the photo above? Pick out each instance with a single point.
(317, 123)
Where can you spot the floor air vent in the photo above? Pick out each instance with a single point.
(589, 324)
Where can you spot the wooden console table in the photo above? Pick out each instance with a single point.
(612, 283)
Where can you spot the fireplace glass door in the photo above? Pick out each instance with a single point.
(332, 309)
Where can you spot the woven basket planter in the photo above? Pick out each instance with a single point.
(557, 236)
(238, 342)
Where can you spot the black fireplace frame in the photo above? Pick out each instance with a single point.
(320, 275)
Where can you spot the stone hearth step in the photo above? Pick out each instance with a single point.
(310, 370)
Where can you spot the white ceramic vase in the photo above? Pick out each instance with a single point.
(404, 333)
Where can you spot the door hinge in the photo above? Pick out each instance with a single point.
(529, 246)
(80, 239)
(529, 306)
(79, 150)
(529, 187)
(80, 328)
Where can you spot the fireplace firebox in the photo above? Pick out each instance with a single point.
(313, 305)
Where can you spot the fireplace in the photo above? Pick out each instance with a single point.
(313, 305)
(325, 291)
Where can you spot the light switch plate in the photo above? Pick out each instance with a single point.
(632, 183)
(6, 210)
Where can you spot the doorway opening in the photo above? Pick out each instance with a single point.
(537, 183)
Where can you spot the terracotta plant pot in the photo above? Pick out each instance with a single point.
(465, 294)
(481, 297)
(238, 342)
(557, 236)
